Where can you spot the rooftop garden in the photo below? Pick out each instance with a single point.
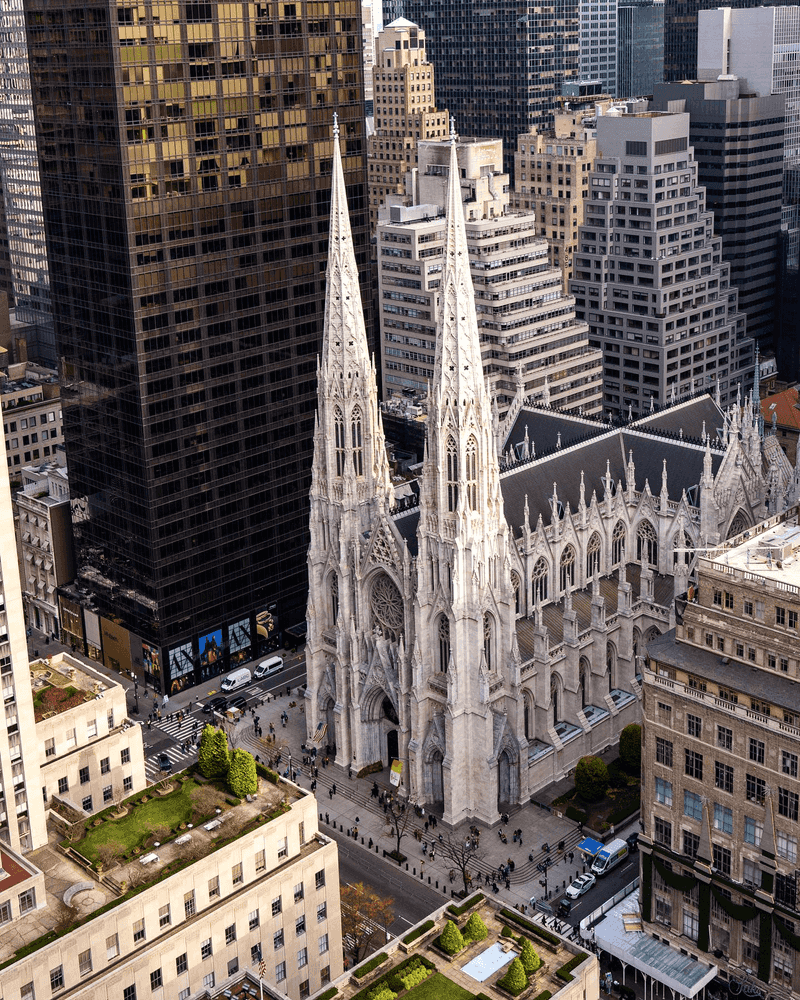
(59, 686)
(49, 700)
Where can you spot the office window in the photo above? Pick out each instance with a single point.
(664, 791)
(322, 912)
(325, 975)
(63, 786)
(138, 930)
(691, 843)
(236, 874)
(751, 873)
(213, 887)
(26, 992)
(156, 980)
(27, 901)
(205, 949)
(694, 725)
(305, 989)
(255, 953)
(302, 958)
(57, 978)
(181, 964)
(283, 850)
(91, 728)
(189, 904)
(756, 751)
(789, 763)
(691, 924)
(780, 615)
(233, 966)
(788, 803)
(300, 925)
(164, 917)
(277, 906)
(261, 861)
(129, 993)
(185, 993)
(694, 764)
(85, 962)
(755, 788)
(108, 793)
(786, 846)
(112, 947)
(663, 751)
(722, 860)
(5, 913)
(662, 830)
(323, 944)
(692, 805)
(208, 981)
(753, 831)
(724, 738)
(127, 784)
(786, 890)
(723, 818)
(230, 934)
(723, 776)
(319, 879)
(71, 738)
(50, 747)
(277, 939)
(299, 892)
(280, 972)
(253, 920)
(105, 765)
(86, 803)
(125, 755)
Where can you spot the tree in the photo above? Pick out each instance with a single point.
(107, 853)
(475, 928)
(242, 777)
(451, 940)
(213, 757)
(515, 979)
(529, 958)
(398, 813)
(591, 778)
(630, 746)
(205, 799)
(462, 853)
(365, 914)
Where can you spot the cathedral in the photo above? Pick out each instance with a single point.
(489, 633)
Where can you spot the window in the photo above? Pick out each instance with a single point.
(213, 887)
(86, 803)
(780, 615)
(325, 974)
(236, 874)
(138, 930)
(205, 949)
(129, 993)
(283, 849)
(91, 728)
(156, 980)
(751, 873)
(26, 992)
(112, 947)
(717, 593)
(788, 803)
(690, 924)
(786, 846)
(181, 964)
(105, 765)
(85, 962)
(125, 755)
(724, 738)
(57, 978)
(164, 917)
(691, 844)
(663, 832)
(63, 786)
(277, 906)
(233, 966)
(728, 600)
(255, 953)
(756, 751)
(189, 904)
(723, 818)
(694, 725)
(323, 944)
(50, 747)
(753, 831)
(664, 791)
(261, 861)
(302, 958)
(723, 776)
(786, 890)
(5, 913)
(230, 934)
(27, 901)
(722, 860)
(789, 763)
(277, 939)
(127, 784)
(793, 619)
(322, 912)
(300, 926)
(299, 892)
(71, 738)
(692, 805)
(694, 765)
(755, 789)
(280, 972)
(253, 920)
(208, 981)
(319, 879)
(305, 990)
(663, 751)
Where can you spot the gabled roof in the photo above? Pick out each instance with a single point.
(786, 405)
(687, 418)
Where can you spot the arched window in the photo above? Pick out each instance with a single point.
(356, 437)
(617, 543)
(554, 697)
(647, 544)
(334, 598)
(611, 660)
(472, 473)
(488, 639)
(338, 430)
(515, 585)
(681, 549)
(583, 674)
(527, 714)
(452, 475)
(444, 643)
(567, 568)
(738, 524)
(540, 582)
(593, 556)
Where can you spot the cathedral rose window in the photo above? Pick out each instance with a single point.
(387, 607)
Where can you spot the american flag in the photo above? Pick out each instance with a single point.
(262, 969)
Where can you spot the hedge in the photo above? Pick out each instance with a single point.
(328, 994)
(392, 973)
(271, 776)
(544, 995)
(577, 815)
(422, 929)
(625, 811)
(466, 905)
(373, 963)
(565, 972)
(533, 928)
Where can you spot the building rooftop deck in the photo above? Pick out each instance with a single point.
(62, 682)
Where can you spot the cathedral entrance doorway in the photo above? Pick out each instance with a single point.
(330, 719)
(437, 780)
(392, 745)
(503, 782)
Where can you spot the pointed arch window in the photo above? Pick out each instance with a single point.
(681, 549)
(357, 442)
(593, 556)
(617, 543)
(488, 639)
(567, 568)
(647, 544)
(583, 673)
(554, 697)
(334, 598)
(444, 643)
(516, 587)
(540, 581)
(472, 473)
(339, 439)
(528, 714)
(452, 475)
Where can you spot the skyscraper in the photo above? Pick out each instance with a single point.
(680, 35)
(499, 70)
(597, 61)
(186, 159)
(640, 47)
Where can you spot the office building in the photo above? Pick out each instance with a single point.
(721, 745)
(597, 59)
(738, 146)
(32, 421)
(500, 70)
(681, 35)
(650, 277)
(526, 323)
(405, 111)
(185, 169)
(640, 47)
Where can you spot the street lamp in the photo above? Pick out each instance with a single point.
(136, 692)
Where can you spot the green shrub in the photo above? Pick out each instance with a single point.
(533, 928)
(530, 960)
(466, 905)
(630, 746)
(213, 756)
(415, 977)
(544, 995)
(330, 994)
(451, 939)
(242, 778)
(565, 972)
(475, 928)
(575, 814)
(506, 931)
(616, 776)
(591, 778)
(382, 992)
(624, 812)
(373, 963)
(394, 983)
(515, 979)
(422, 929)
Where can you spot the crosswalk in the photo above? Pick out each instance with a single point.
(177, 731)
(180, 760)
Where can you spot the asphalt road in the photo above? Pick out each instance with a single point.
(605, 888)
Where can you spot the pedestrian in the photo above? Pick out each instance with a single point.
(333, 789)
(508, 884)
(288, 690)
(350, 772)
(370, 843)
(426, 826)
(327, 820)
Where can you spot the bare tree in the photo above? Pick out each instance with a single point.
(398, 812)
(464, 853)
(107, 853)
(364, 914)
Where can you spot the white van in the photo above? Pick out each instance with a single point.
(609, 857)
(267, 667)
(236, 680)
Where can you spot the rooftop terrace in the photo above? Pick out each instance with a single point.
(61, 683)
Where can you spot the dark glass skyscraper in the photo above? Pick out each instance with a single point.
(640, 47)
(186, 154)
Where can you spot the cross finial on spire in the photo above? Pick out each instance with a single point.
(452, 128)
(335, 125)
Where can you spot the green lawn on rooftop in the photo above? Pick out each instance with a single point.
(438, 987)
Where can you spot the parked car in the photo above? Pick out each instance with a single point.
(164, 763)
(580, 884)
(217, 704)
(238, 702)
